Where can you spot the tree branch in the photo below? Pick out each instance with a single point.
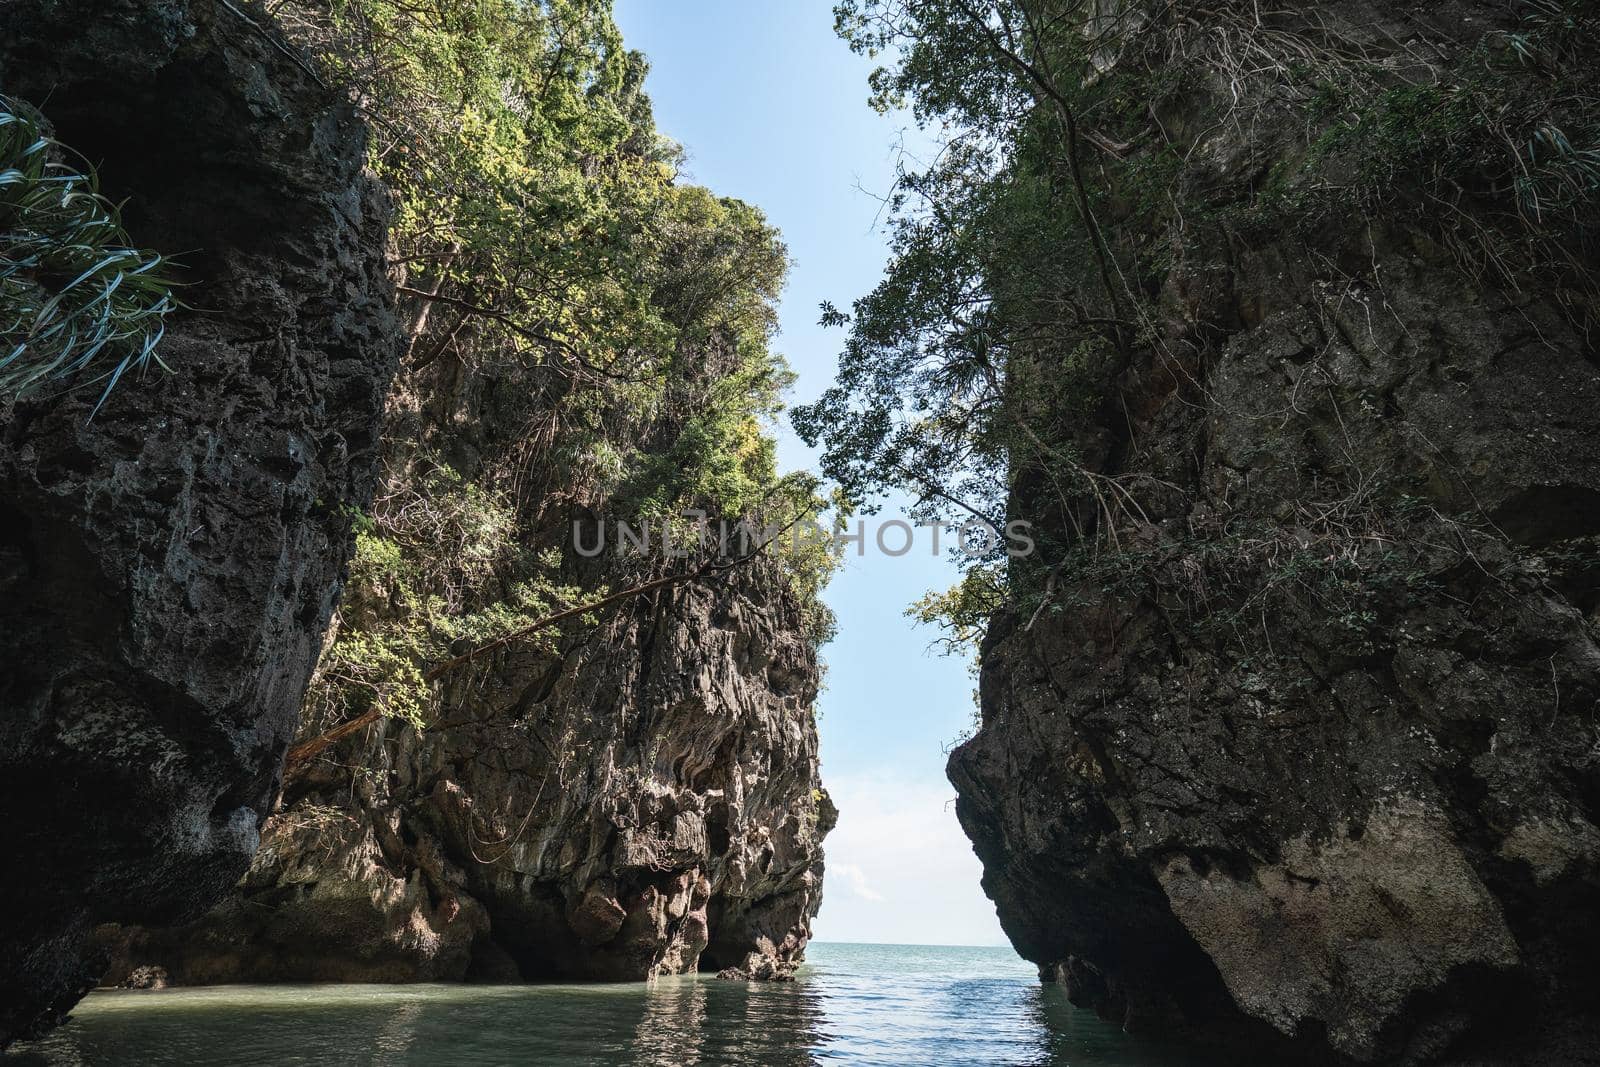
(1069, 120)
(525, 332)
(313, 747)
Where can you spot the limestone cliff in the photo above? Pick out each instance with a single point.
(636, 793)
(1306, 761)
(645, 801)
(632, 793)
(167, 569)
(634, 790)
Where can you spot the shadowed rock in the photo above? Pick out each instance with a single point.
(1316, 775)
(646, 803)
(167, 570)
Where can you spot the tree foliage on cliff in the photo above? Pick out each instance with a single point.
(75, 296)
(543, 231)
(982, 240)
(1078, 166)
(591, 337)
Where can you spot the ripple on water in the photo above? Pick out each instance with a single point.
(856, 1004)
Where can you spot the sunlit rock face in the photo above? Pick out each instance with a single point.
(637, 795)
(167, 569)
(1322, 783)
(646, 802)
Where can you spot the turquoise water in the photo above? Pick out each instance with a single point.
(852, 1004)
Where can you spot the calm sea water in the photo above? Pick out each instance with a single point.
(853, 1004)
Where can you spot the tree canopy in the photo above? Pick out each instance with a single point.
(987, 244)
(591, 338)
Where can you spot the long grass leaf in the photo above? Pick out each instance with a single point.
(57, 224)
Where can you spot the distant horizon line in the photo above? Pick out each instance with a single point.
(910, 944)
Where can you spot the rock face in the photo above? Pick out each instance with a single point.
(1316, 773)
(636, 795)
(167, 570)
(645, 802)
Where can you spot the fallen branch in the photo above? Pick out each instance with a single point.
(310, 749)
(440, 670)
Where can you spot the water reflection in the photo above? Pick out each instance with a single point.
(702, 1020)
(671, 1030)
(854, 1004)
(395, 1037)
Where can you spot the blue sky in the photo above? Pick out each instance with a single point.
(771, 107)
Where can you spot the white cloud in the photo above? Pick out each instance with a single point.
(854, 879)
(900, 871)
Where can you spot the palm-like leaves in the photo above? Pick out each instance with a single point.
(74, 296)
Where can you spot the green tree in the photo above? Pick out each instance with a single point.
(995, 252)
(591, 338)
(986, 371)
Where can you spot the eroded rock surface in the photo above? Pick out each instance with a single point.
(647, 802)
(1315, 773)
(167, 570)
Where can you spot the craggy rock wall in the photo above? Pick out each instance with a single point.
(645, 802)
(167, 570)
(1309, 766)
(639, 794)
(644, 799)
